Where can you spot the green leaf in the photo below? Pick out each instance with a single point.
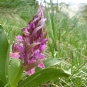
(1, 84)
(4, 46)
(15, 72)
(42, 76)
(51, 62)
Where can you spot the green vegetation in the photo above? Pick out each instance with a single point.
(67, 38)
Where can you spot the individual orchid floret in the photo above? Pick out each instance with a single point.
(32, 43)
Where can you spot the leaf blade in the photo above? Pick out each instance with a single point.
(42, 76)
(4, 47)
(15, 72)
(51, 62)
(1, 84)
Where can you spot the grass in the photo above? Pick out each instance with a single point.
(67, 40)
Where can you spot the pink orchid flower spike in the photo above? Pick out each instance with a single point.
(31, 44)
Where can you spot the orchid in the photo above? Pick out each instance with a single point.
(32, 43)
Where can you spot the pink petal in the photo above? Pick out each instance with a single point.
(44, 41)
(41, 56)
(42, 47)
(30, 72)
(29, 25)
(41, 65)
(15, 55)
(37, 55)
(19, 38)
